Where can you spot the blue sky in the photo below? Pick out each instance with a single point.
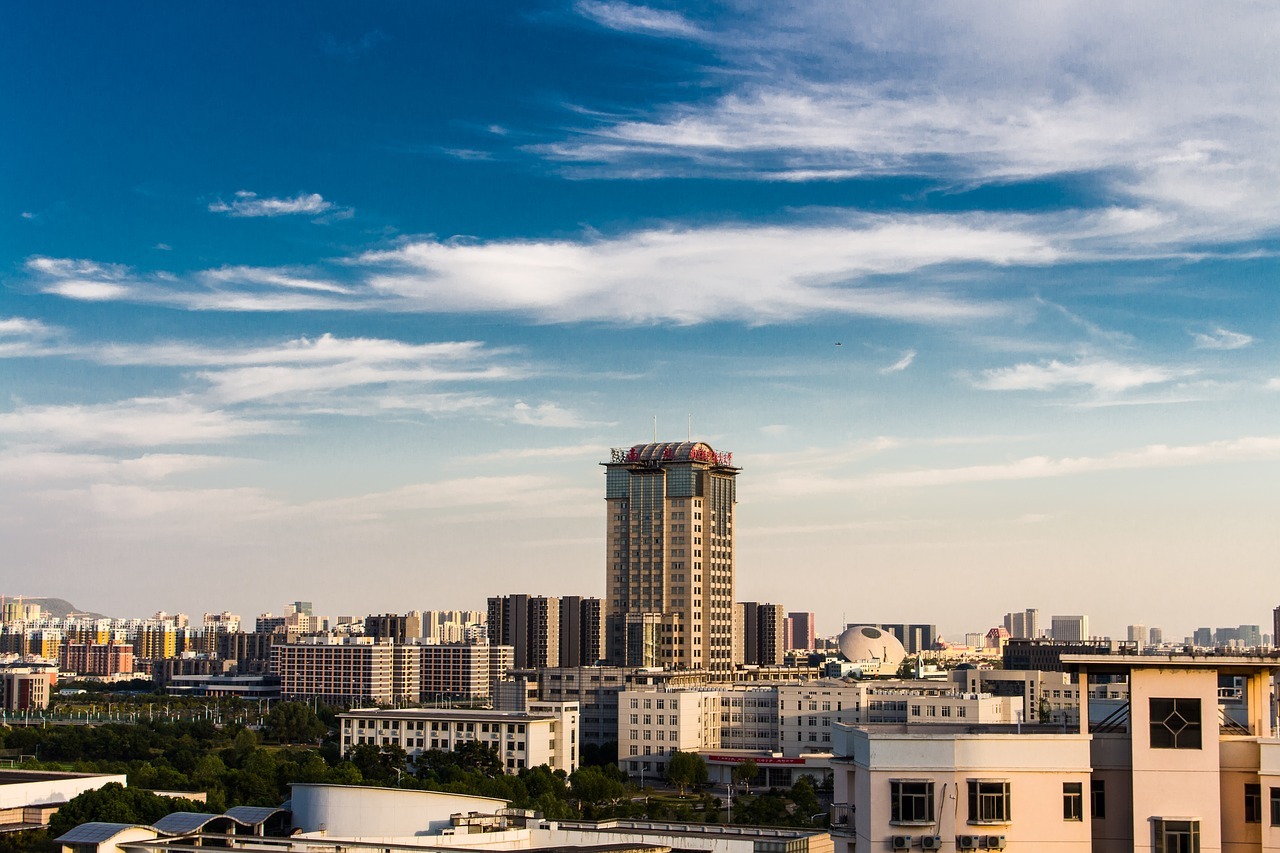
(346, 305)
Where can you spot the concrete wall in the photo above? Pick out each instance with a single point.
(51, 790)
(351, 811)
(1175, 783)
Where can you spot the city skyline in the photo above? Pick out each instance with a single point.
(351, 305)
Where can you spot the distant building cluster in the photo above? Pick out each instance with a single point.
(1034, 733)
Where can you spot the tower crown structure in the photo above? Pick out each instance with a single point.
(670, 555)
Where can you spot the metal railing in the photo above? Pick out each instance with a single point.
(842, 814)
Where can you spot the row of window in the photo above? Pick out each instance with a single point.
(990, 801)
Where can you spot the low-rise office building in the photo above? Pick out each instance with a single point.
(547, 733)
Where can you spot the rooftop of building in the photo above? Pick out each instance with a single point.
(670, 451)
(23, 777)
(451, 713)
(1226, 664)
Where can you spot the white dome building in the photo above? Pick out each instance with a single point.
(864, 644)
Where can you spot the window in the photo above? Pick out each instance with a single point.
(910, 801)
(1072, 801)
(1175, 724)
(1275, 806)
(1098, 799)
(1252, 803)
(1176, 836)
(989, 802)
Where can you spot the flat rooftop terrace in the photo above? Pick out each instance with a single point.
(20, 777)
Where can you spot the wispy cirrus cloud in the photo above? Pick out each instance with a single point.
(833, 90)
(1098, 374)
(23, 336)
(901, 364)
(1039, 467)
(248, 204)
(1222, 339)
(136, 422)
(635, 18)
(27, 465)
(756, 274)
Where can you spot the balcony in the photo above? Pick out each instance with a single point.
(842, 818)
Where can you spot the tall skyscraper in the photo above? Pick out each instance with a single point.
(670, 551)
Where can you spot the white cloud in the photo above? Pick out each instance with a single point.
(1038, 467)
(1221, 339)
(1177, 112)
(901, 364)
(548, 415)
(754, 274)
(26, 465)
(249, 204)
(1102, 375)
(139, 422)
(272, 277)
(629, 17)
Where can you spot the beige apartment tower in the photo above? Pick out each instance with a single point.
(669, 553)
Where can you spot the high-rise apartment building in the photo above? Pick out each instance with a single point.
(392, 626)
(1024, 624)
(1070, 629)
(581, 631)
(915, 637)
(670, 551)
(801, 633)
(530, 624)
(763, 633)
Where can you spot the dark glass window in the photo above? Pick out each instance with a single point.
(1177, 836)
(910, 802)
(1252, 803)
(1175, 723)
(1098, 798)
(989, 801)
(1072, 801)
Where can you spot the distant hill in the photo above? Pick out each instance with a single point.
(59, 607)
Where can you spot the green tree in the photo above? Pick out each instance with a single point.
(744, 772)
(686, 770)
(294, 722)
(805, 798)
(115, 803)
(596, 786)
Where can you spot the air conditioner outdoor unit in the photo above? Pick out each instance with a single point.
(967, 842)
(900, 842)
(931, 842)
(995, 842)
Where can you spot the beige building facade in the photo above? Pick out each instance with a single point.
(545, 734)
